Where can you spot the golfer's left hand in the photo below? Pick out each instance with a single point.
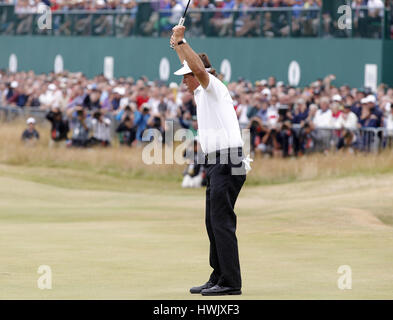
(177, 34)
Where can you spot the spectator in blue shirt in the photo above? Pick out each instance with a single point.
(296, 9)
(141, 119)
(300, 114)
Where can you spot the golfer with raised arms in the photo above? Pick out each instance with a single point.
(221, 142)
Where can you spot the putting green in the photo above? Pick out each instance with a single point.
(107, 237)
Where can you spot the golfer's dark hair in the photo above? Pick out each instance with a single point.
(207, 64)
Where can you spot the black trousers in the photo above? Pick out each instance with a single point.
(224, 182)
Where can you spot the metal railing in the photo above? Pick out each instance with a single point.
(8, 113)
(147, 20)
(364, 139)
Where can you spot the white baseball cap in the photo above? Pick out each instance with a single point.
(14, 84)
(266, 91)
(30, 120)
(337, 98)
(173, 85)
(52, 87)
(371, 98)
(364, 100)
(185, 69)
(120, 90)
(145, 105)
(280, 84)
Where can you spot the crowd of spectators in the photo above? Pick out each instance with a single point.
(205, 18)
(82, 112)
(243, 21)
(93, 5)
(283, 120)
(31, 6)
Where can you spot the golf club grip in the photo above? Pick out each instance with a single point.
(181, 21)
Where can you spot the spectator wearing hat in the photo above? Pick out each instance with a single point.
(374, 109)
(117, 94)
(357, 104)
(368, 121)
(51, 97)
(30, 134)
(12, 93)
(336, 114)
(266, 93)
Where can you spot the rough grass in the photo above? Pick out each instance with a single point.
(127, 163)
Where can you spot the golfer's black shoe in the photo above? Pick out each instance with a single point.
(221, 291)
(207, 285)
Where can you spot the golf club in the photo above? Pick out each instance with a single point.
(183, 18)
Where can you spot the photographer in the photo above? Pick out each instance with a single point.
(195, 173)
(126, 131)
(141, 119)
(101, 128)
(59, 129)
(157, 122)
(79, 127)
(127, 111)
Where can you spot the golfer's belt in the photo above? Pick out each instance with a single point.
(223, 156)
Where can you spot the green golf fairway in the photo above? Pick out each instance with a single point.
(108, 237)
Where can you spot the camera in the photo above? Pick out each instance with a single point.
(97, 115)
(156, 122)
(283, 109)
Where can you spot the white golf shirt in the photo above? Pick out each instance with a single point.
(218, 127)
(323, 119)
(348, 121)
